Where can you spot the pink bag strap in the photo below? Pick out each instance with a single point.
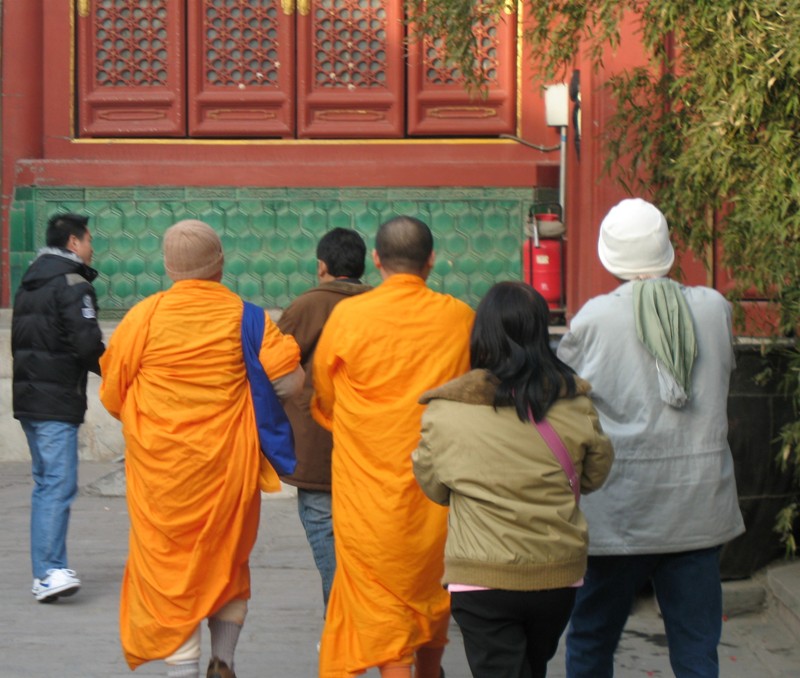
(554, 442)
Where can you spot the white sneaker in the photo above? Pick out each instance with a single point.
(57, 583)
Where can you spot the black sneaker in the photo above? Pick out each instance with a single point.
(219, 669)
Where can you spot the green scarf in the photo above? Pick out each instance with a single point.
(665, 327)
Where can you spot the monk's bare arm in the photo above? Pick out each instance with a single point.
(289, 384)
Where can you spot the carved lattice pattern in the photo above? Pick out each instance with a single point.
(350, 43)
(131, 43)
(438, 72)
(241, 42)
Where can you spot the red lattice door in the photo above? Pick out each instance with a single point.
(332, 69)
(438, 101)
(241, 68)
(130, 69)
(351, 74)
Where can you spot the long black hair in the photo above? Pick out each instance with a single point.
(511, 339)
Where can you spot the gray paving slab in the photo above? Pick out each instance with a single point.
(78, 636)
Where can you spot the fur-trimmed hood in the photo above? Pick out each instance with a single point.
(478, 387)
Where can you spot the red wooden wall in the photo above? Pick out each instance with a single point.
(140, 139)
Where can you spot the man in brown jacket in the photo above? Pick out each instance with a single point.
(340, 264)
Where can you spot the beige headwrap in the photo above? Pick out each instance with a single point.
(192, 250)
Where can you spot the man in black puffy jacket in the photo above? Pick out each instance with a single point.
(55, 341)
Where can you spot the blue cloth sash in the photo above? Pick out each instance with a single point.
(274, 430)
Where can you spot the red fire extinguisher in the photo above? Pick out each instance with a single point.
(541, 258)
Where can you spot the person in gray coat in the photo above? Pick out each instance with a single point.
(659, 357)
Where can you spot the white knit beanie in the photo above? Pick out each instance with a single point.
(192, 250)
(634, 241)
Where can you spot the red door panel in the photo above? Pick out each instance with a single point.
(241, 68)
(270, 68)
(130, 69)
(439, 103)
(350, 68)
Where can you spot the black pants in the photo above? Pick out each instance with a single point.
(511, 634)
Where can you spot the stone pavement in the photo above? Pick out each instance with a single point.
(78, 636)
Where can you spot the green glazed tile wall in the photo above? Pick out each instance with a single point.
(270, 235)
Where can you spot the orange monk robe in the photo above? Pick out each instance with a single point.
(174, 374)
(377, 354)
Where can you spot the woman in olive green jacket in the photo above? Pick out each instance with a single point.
(517, 541)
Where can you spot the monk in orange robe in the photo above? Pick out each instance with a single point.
(377, 354)
(175, 376)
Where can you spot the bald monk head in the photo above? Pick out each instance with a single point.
(404, 245)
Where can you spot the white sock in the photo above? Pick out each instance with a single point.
(224, 636)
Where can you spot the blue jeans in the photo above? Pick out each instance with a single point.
(54, 463)
(689, 593)
(315, 513)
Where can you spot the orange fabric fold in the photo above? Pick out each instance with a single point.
(377, 354)
(174, 374)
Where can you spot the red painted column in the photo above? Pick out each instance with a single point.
(590, 191)
(22, 108)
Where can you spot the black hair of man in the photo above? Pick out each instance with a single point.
(344, 252)
(60, 227)
(404, 245)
